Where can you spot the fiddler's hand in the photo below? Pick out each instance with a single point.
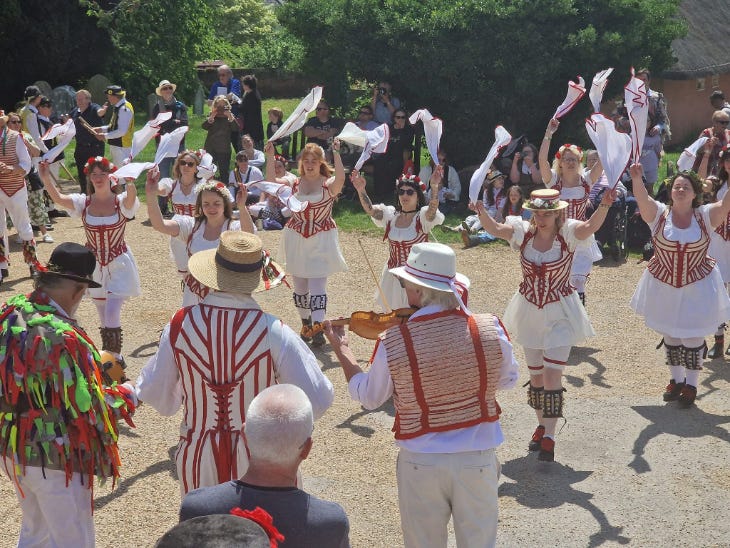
(336, 334)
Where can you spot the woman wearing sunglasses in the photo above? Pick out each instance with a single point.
(407, 223)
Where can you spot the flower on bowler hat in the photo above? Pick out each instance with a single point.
(105, 164)
(568, 146)
(214, 186)
(412, 179)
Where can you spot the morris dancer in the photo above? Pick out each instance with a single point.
(15, 164)
(104, 215)
(310, 242)
(566, 177)
(447, 431)
(407, 223)
(545, 315)
(213, 215)
(681, 293)
(58, 436)
(215, 356)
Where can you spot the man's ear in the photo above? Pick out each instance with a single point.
(304, 453)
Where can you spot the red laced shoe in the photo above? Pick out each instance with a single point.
(687, 396)
(547, 450)
(671, 392)
(536, 438)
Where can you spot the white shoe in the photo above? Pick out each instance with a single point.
(47, 239)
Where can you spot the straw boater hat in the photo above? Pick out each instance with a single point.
(164, 83)
(433, 265)
(72, 261)
(239, 265)
(545, 199)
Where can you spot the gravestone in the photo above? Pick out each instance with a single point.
(64, 101)
(45, 87)
(97, 87)
(199, 101)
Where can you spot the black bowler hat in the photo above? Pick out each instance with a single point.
(117, 91)
(73, 261)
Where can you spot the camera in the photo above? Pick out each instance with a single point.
(382, 91)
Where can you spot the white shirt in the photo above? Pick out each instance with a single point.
(159, 383)
(124, 118)
(454, 182)
(374, 387)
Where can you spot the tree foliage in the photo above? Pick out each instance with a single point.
(479, 63)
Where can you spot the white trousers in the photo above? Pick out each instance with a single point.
(54, 516)
(432, 487)
(17, 206)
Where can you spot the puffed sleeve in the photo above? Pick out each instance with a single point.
(129, 213)
(428, 225)
(520, 228)
(79, 202)
(388, 215)
(185, 225)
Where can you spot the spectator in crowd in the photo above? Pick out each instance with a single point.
(388, 167)
(322, 128)
(245, 173)
(446, 431)
(658, 122)
(220, 125)
(718, 102)
(276, 118)
(86, 114)
(120, 130)
(256, 157)
(718, 136)
(201, 358)
(29, 116)
(525, 170)
(365, 119)
(279, 427)
(450, 189)
(231, 88)
(383, 103)
(250, 110)
(167, 102)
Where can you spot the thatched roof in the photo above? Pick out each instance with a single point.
(706, 48)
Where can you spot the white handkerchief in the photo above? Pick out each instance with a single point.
(65, 133)
(144, 135)
(298, 118)
(600, 81)
(170, 144)
(575, 92)
(637, 107)
(283, 192)
(613, 147)
(501, 139)
(687, 159)
(432, 129)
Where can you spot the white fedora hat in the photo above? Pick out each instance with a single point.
(164, 83)
(431, 265)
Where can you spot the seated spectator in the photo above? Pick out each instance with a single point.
(256, 157)
(245, 173)
(719, 137)
(383, 104)
(278, 431)
(276, 118)
(282, 176)
(322, 128)
(718, 102)
(365, 118)
(525, 170)
(651, 155)
(271, 211)
(450, 189)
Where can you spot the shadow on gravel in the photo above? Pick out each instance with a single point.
(583, 354)
(366, 431)
(671, 419)
(550, 485)
(719, 371)
(145, 351)
(167, 465)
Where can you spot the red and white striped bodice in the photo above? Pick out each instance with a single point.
(10, 183)
(224, 359)
(106, 241)
(546, 283)
(577, 207)
(399, 250)
(679, 264)
(316, 217)
(182, 204)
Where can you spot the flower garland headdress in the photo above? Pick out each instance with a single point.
(415, 180)
(106, 165)
(214, 186)
(575, 149)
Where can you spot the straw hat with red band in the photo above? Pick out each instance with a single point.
(239, 265)
(545, 199)
(433, 265)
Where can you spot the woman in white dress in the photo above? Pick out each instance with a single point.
(407, 223)
(720, 238)
(104, 215)
(681, 293)
(213, 214)
(566, 176)
(545, 315)
(310, 242)
(180, 189)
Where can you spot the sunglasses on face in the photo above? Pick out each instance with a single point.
(167, 88)
(722, 122)
(406, 191)
(187, 164)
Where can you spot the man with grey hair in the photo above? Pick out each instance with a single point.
(447, 431)
(278, 429)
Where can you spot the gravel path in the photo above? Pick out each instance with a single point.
(630, 469)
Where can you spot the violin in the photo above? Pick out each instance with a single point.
(369, 325)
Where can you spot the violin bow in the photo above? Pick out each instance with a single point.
(375, 278)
